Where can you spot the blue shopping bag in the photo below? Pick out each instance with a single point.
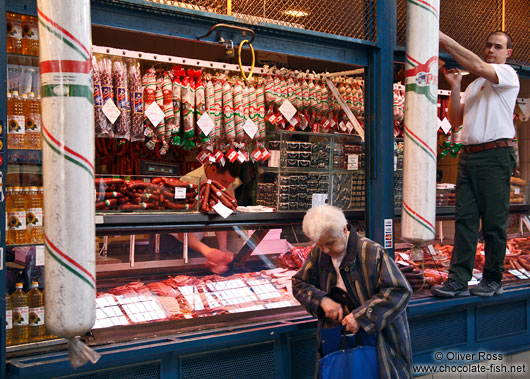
(352, 358)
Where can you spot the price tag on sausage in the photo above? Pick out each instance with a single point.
(250, 128)
(516, 190)
(180, 192)
(206, 124)
(287, 109)
(111, 111)
(39, 255)
(154, 113)
(518, 274)
(222, 210)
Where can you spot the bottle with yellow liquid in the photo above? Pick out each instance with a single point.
(30, 35)
(15, 121)
(16, 217)
(34, 215)
(9, 321)
(10, 233)
(32, 136)
(37, 328)
(19, 301)
(14, 33)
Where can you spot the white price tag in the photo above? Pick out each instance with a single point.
(39, 255)
(154, 113)
(403, 263)
(250, 128)
(349, 127)
(222, 210)
(446, 125)
(287, 110)
(518, 274)
(274, 160)
(99, 219)
(180, 192)
(319, 199)
(438, 123)
(431, 249)
(241, 157)
(111, 111)
(293, 121)
(353, 161)
(342, 126)
(206, 124)
(405, 256)
(517, 190)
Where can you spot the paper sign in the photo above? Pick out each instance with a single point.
(353, 161)
(287, 109)
(154, 113)
(250, 128)
(319, 199)
(112, 112)
(180, 192)
(39, 255)
(222, 210)
(446, 125)
(206, 124)
(516, 190)
(431, 250)
(275, 158)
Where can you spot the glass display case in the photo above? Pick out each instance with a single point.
(312, 168)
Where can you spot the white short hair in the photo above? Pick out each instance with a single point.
(324, 220)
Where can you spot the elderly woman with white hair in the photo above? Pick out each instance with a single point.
(376, 289)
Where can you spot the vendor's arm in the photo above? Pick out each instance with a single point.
(392, 291)
(456, 108)
(467, 59)
(305, 290)
(217, 260)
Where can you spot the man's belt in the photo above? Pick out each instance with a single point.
(488, 145)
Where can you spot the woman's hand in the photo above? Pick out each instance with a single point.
(332, 309)
(351, 323)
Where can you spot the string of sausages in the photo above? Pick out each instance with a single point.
(213, 192)
(132, 195)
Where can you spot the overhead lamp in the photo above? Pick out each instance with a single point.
(295, 13)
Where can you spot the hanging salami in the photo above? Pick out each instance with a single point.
(136, 102)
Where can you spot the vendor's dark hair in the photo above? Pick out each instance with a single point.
(232, 167)
(508, 37)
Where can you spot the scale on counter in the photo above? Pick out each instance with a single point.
(158, 168)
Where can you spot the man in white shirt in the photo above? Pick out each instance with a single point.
(486, 163)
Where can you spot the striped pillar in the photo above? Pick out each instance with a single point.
(421, 91)
(68, 168)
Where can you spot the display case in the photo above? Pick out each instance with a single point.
(308, 168)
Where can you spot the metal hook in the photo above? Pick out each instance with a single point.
(228, 26)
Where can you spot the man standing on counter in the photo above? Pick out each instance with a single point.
(217, 259)
(486, 162)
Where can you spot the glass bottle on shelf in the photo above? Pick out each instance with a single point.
(9, 321)
(34, 215)
(19, 301)
(37, 328)
(30, 35)
(16, 217)
(15, 121)
(32, 135)
(10, 232)
(14, 33)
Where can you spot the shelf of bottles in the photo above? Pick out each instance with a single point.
(23, 184)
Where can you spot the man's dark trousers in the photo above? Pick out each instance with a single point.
(482, 192)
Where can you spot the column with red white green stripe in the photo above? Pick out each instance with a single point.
(420, 135)
(68, 167)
